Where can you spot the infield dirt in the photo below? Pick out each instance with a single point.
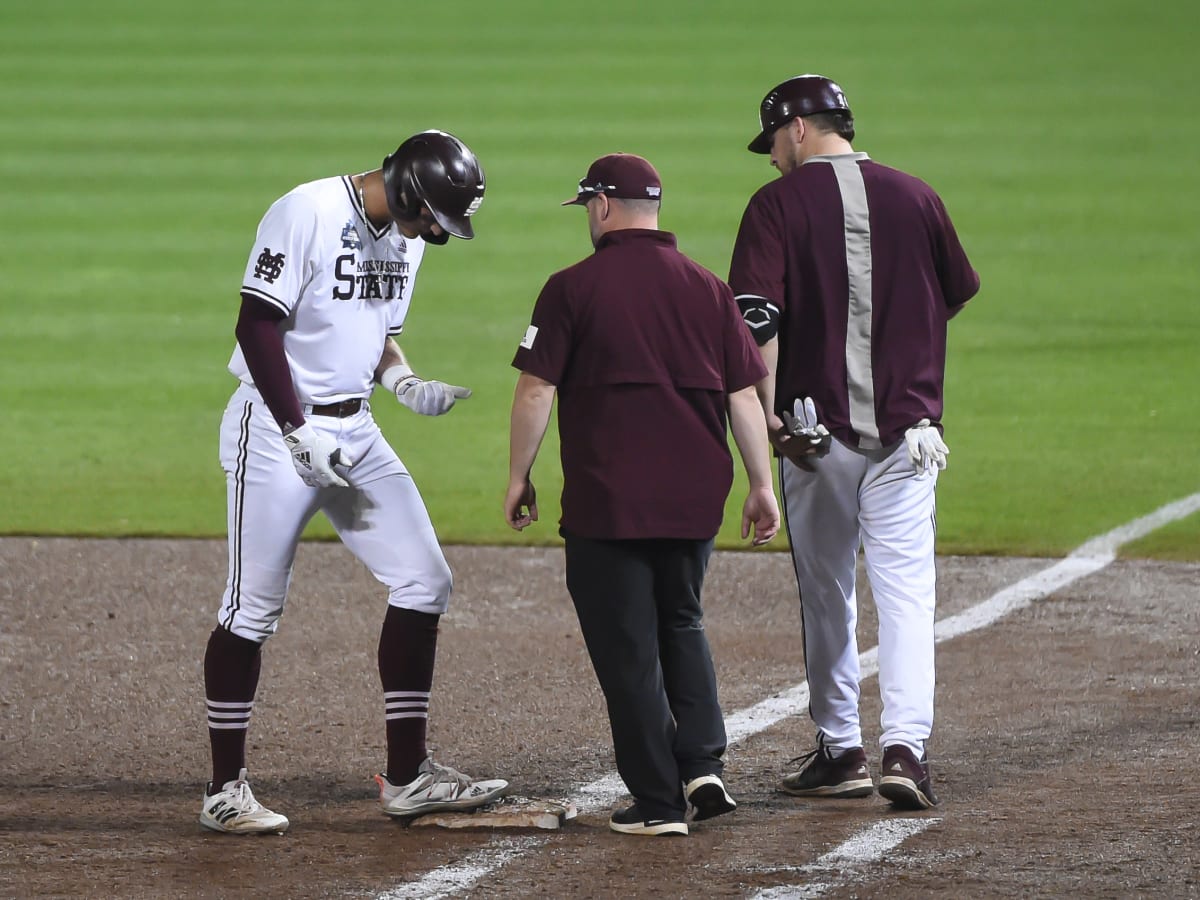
(1066, 750)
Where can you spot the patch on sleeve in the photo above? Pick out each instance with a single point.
(530, 337)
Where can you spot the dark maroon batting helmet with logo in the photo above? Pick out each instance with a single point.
(440, 171)
(802, 95)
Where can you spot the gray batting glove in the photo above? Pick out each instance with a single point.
(803, 424)
(926, 449)
(314, 456)
(429, 398)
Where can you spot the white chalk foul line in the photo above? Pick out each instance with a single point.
(1084, 560)
(868, 846)
(446, 881)
(1090, 557)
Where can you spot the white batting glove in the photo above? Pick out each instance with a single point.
(428, 398)
(803, 424)
(314, 456)
(926, 449)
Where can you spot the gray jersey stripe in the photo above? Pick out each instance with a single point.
(859, 375)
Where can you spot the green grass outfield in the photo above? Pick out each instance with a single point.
(141, 140)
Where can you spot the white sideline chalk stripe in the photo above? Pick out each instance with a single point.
(1086, 559)
(868, 846)
(445, 881)
(1089, 557)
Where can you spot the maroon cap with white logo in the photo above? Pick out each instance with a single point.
(622, 175)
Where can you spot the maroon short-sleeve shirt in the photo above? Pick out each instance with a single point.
(866, 269)
(643, 345)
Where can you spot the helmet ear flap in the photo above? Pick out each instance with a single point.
(401, 191)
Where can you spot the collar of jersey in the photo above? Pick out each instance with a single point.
(625, 235)
(376, 233)
(830, 157)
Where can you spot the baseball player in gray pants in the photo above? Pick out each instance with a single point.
(847, 273)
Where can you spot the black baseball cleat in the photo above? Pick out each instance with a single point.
(906, 781)
(631, 821)
(708, 797)
(824, 775)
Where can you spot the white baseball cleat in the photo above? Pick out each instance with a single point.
(437, 788)
(234, 810)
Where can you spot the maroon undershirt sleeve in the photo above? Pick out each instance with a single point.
(258, 334)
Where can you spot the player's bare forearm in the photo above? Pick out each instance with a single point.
(392, 356)
(766, 387)
(533, 398)
(749, 428)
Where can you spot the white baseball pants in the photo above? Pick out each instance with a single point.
(381, 517)
(871, 498)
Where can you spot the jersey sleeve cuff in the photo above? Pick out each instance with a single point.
(267, 298)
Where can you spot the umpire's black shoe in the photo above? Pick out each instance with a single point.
(631, 821)
(825, 775)
(708, 797)
(906, 780)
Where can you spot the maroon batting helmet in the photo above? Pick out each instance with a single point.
(438, 170)
(803, 95)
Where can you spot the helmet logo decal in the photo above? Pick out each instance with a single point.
(474, 205)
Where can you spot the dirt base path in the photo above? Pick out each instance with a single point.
(1066, 751)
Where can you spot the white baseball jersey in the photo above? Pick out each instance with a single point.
(343, 285)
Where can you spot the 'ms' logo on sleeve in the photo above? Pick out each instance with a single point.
(268, 266)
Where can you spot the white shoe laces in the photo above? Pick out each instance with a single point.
(243, 798)
(447, 775)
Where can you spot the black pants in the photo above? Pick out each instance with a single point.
(638, 604)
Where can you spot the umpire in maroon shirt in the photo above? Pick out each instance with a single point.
(847, 272)
(649, 358)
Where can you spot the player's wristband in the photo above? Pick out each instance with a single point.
(394, 375)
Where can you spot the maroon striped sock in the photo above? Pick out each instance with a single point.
(231, 668)
(407, 652)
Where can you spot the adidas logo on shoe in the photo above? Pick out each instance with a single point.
(824, 775)
(234, 810)
(906, 780)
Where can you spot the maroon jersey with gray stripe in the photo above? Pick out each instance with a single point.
(866, 269)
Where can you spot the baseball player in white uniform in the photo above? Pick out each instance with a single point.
(327, 287)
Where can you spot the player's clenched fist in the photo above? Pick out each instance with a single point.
(429, 398)
(314, 456)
